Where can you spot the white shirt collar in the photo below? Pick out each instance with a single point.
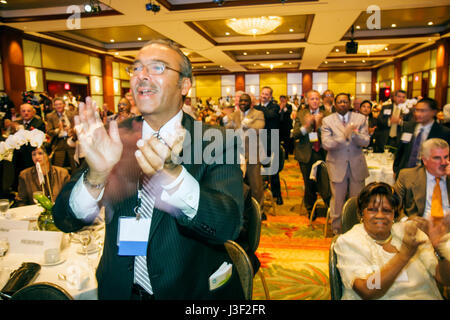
(431, 178)
(168, 128)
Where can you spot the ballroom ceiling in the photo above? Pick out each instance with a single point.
(312, 33)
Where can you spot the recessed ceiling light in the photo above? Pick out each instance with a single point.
(254, 64)
(393, 25)
(245, 53)
(364, 61)
(358, 27)
(227, 33)
(221, 66)
(345, 61)
(385, 48)
(3, 1)
(139, 39)
(204, 67)
(326, 62)
(291, 30)
(116, 53)
(291, 51)
(337, 50)
(267, 52)
(112, 40)
(430, 23)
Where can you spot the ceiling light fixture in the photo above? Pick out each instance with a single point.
(3, 1)
(139, 39)
(370, 48)
(227, 33)
(393, 25)
(337, 50)
(112, 40)
(326, 62)
(430, 23)
(271, 65)
(358, 27)
(364, 61)
(254, 26)
(291, 30)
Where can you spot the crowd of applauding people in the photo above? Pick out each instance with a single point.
(94, 157)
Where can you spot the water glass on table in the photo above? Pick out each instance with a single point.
(4, 206)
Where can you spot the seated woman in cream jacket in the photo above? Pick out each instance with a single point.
(380, 259)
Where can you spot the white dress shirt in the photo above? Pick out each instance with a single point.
(431, 183)
(184, 191)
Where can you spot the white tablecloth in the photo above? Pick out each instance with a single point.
(380, 168)
(74, 260)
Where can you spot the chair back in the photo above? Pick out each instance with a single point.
(323, 183)
(334, 275)
(243, 265)
(350, 215)
(254, 226)
(42, 291)
(281, 159)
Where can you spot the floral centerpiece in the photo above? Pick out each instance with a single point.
(34, 137)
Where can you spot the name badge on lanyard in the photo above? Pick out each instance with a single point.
(132, 236)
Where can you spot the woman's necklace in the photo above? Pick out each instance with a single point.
(383, 242)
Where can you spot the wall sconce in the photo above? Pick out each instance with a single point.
(97, 85)
(404, 83)
(33, 79)
(377, 87)
(433, 78)
(116, 87)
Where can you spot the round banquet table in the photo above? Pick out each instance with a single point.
(75, 264)
(380, 168)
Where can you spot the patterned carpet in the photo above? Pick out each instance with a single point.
(293, 255)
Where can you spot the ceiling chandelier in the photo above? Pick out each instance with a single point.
(271, 65)
(370, 48)
(254, 26)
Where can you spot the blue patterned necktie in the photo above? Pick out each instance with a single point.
(413, 158)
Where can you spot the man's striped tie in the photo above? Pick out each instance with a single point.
(145, 210)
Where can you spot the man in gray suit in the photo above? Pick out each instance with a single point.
(344, 134)
(416, 185)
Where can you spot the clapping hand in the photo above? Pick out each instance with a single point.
(410, 243)
(349, 129)
(102, 149)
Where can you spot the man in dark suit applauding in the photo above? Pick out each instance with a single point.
(308, 147)
(166, 220)
(390, 121)
(272, 118)
(414, 133)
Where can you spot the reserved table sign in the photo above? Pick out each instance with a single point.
(33, 242)
(6, 225)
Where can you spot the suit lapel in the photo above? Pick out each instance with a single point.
(420, 190)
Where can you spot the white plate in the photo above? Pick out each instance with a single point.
(61, 260)
(92, 250)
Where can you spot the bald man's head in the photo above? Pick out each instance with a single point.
(26, 111)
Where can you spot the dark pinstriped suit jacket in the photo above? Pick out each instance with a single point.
(182, 254)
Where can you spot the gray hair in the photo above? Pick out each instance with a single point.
(186, 66)
(434, 143)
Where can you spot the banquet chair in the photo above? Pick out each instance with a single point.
(323, 194)
(42, 291)
(254, 235)
(243, 266)
(350, 215)
(333, 273)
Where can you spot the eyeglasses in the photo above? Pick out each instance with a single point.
(153, 68)
(343, 101)
(382, 210)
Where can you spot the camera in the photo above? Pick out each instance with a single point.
(152, 7)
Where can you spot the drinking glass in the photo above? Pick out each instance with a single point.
(85, 239)
(4, 206)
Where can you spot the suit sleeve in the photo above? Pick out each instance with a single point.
(221, 204)
(330, 140)
(65, 219)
